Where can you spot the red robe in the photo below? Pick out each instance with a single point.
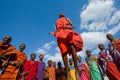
(30, 67)
(6, 49)
(111, 68)
(117, 44)
(65, 37)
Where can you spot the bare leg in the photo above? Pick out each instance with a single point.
(74, 56)
(65, 60)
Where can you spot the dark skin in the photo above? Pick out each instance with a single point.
(41, 57)
(70, 61)
(74, 57)
(21, 48)
(6, 40)
(54, 64)
(72, 50)
(88, 53)
(59, 64)
(79, 60)
(69, 26)
(101, 47)
(50, 63)
(111, 39)
(60, 69)
(33, 56)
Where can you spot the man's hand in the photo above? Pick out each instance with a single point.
(11, 63)
(24, 73)
(53, 33)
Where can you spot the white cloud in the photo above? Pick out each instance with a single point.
(115, 29)
(115, 18)
(96, 15)
(57, 49)
(45, 50)
(47, 46)
(98, 18)
(41, 51)
(56, 57)
(91, 39)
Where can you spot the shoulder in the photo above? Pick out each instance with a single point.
(117, 40)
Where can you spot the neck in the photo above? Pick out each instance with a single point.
(5, 43)
(41, 60)
(112, 40)
(32, 60)
(21, 50)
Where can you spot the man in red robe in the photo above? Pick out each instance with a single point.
(68, 41)
(29, 69)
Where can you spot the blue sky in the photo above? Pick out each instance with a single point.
(30, 21)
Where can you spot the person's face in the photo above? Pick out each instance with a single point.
(59, 64)
(50, 63)
(109, 37)
(54, 63)
(101, 46)
(88, 52)
(33, 56)
(22, 47)
(41, 56)
(79, 58)
(6, 40)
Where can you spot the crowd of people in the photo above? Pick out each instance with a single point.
(14, 64)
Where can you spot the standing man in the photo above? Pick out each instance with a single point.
(61, 75)
(69, 42)
(40, 68)
(29, 69)
(51, 71)
(15, 63)
(114, 48)
(113, 42)
(6, 50)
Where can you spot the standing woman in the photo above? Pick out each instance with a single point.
(93, 66)
(109, 67)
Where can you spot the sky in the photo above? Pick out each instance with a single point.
(30, 21)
